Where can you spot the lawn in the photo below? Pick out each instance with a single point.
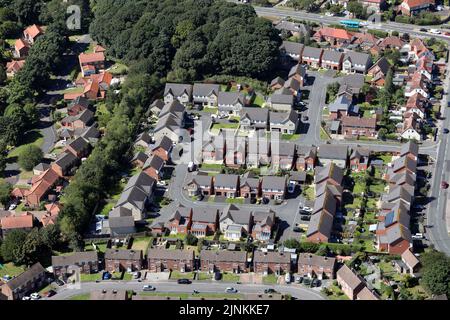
(141, 243)
(90, 277)
(230, 277)
(218, 126)
(83, 296)
(210, 109)
(33, 137)
(270, 279)
(323, 134)
(100, 247)
(107, 208)
(290, 136)
(235, 200)
(308, 193)
(118, 69)
(180, 275)
(204, 276)
(386, 159)
(337, 293)
(258, 101)
(212, 166)
(10, 269)
(72, 90)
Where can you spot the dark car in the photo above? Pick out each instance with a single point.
(59, 282)
(269, 290)
(305, 218)
(217, 276)
(297, 229)
(50, 293)
(444, 185)
(305, 118)
(423, 30)
(184, 281)
(445, 130)
(316, 283)
(265, 200)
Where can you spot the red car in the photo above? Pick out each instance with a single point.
(444, 185)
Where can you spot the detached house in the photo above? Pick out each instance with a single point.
(252, 119)
(31, 33)
(263, 223)
(350, 283)
(181, 220)
(23, 222)
(356, 62)
(178, 91)
(250, 187)
(206, 94)
(292, 50)
(379, 71)
(204, 221)
(235, 223)
(21, 49)
(64, 164)
(80, 121)
(414, 7)
(273, 188)
(281, 102)
(13, 67)
(91, 63)
(283, 122)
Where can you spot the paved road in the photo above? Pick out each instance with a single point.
(295, 290)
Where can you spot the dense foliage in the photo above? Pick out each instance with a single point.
(436, 272)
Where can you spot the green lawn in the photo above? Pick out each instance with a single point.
(204, 276)
(72, 90)
(235, 200)
(386, 159)
(90, 277)
(10, 269)
(290, 136)
(141, 243)
(180, 275)
(308, 193)
(337, 293)
(258, 101)
(270, 279)
(210, 109)
(118, 69)
(323, 134)
(33, 137)
(100, 246)
(84, 296)
(218, 126)
(212, 166)
(230, 277)
(107, 208)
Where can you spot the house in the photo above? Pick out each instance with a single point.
(169, 125)
(298, 72)
(364, 40)
(231, 102)
(200, 184)
(236, 152)
(283, 154)
(334, 36)
(235, 223)
(223, 261)
(226, 185)
(156, 107)
(263, 224)
(306, 158)
(206, 94)
(379, 71)
(320, 226)
(80, 121)
(123, 260)
(292, 28)
(178, 91)
(367, 294)
(340, 107)
(180, 221)
(402, 178)
(87, 263)
(312, 56)
(410, 262)
(250, 187)
(359, 159)
(418, 84)
(79, 147)
(252, 119)
(64, 164)
(31, 33)
(139, 159)
(356, 62)
(153, 167)
(259, 151)
(204, 221)
(332, 59)
(354, 127)
(162, 148)
(13, 67)
(40, 168)
(23, 222)
(416, 104)
(281, 102)
(41, 187)
(91, 63)
(213, 151)
(143, 140)
(350, 283)
(273, 188)
(411, 128)
(283, 122)
(77, 106)
(119, 226)
(333, 153)
(161, 260)
(271, 262)
(21, 49)
(277, 83)
(136, 200)
(314, 266)
(404, 163)
(325, 202)
(144, 182)
(378, 5)
(410, 150)
(414, 7)
(293, 50)
(29, 281)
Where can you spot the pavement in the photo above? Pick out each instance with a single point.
(295, 290)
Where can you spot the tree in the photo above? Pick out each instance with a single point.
(388, 83)
(5, 192)
(382, 133)
(436, 272)
(357, 9)
(191, 240)
(2, 75)
(30, 157)
(12, 246)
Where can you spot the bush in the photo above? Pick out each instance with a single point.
(30, 156)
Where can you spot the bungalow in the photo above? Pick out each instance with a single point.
(359, 159)
(312, 56)
(206, 94)
(355, 127)
(263, 223)
(200, 184)
(273, 188)
(283, 122)
(162, 148)
(23, 222)
(292, 50)
(178, 91)
(87, 263)
(333, 153)
(283, 154)
(29, 281)
(281, 102)
(334, 36)
(271, 262)
(306, 158)
(320, 226)
(414, 7)
(226, 185)
(350, 283)
(231, 102)
(356, 62)
(154, 167)
(252, 119)
(332, 60)
(250, 187)
(235, 223)
(313, 266)
(391, 42)
(123, 260)
(180, 221)
(223, 261)
(205, 221)
(161, 260)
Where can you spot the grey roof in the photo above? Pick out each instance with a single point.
(262, 218)
(238, 216)
(223, 256)
(250, 181)
(312, 52)
(354, 82)
(307, 151)
(325, 186)
(180, 212)
(349, 277)
(231, 98)
(299, 69)
(335, 125)
(299, 176)
(26, 276)
(404, 162)
(81, 101)
(164, 142)
(205, 89)
(120, 212)
(341, 103)
(321, 222)
(65, 160)
(309, 259)
(293, 84)
(90, 132)
(357, 57)
(121, 222)
(142, 181)
(403, 177)
(273, 182)
(170, 121)
(271, 257)
(292, 47)
(283, 90)
(291, 26)
(410, 147)
(145, 137)
(134, 196)
(283, 117)
(165, 254)
(229, 181)
(116, 254)
(398, 232)
(326, 202)
(332, 55)
(79, 144)
(331, 171)
(178, 89)
(154, 162)
(287, 99)
(75, 258)
(255, 114)
(42, 166)
(360, 152)
(333, 152)
(277, 80)
(285, 149)
(208, 215)
(201, 179)
(158, 103)
(141, 156)
(175, 107)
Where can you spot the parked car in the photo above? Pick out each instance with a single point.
(297, 229)
(35, 296)
(137, 275)
(148, 287)
(184, 281)
(269, 290)
(309, 209)
(291, 187)
(26, 298)
(231, 290)
(417, 236)
(305, 218)
(298, 279)
(191, 166)
(306, 281)
(12, 206)
(50, 293)
(445, 130)
(444, 185)
(59, 282)
(217, 276)
(316, 283)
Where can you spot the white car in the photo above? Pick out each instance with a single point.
(35, 296)
(417, 236)
(161, 183)
(309, 209)
(435, 31)
(12, 206)
(287, 277)
(26, 298)
(231, 290)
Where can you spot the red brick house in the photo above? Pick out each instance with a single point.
(273, 188)
(91, 62)
(180, 221)
(313, 266)
(154, 167)
(359, 159)
(226, 185)
(355, 127)
(86, 261)
(160, 260)
(31, 33)
(271, 262)
(223, 261)
(320, 226)
(333, 36)
(41, 186)
(349, 282)
(21, 49)
(413, 7)
(123, 260)
(163, 148)
(79, 147)
(23, 222)
(29, 281)
(205, 221)
(263, 224)
(249, 187)
(306, 158)
(200, 184)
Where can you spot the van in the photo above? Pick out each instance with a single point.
(287, 277)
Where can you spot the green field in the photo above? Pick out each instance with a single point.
(33, 137)
(84, 296)
(10, 269)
